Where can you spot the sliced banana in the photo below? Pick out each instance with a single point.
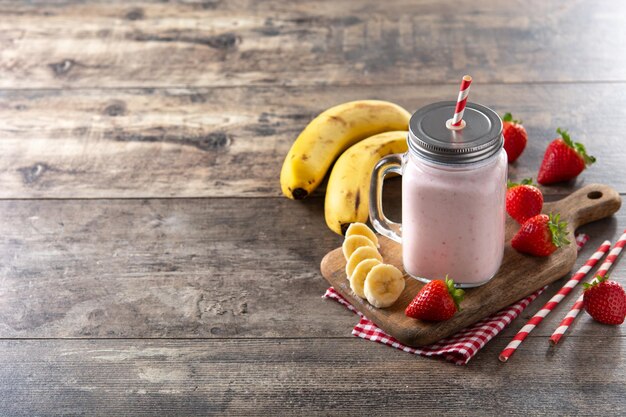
(383, 285)
(362, 253)
(361, 229)
(357, 279)
(352, 243)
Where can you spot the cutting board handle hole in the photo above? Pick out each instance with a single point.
(594, 195)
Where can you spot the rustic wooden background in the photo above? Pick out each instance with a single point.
(149, 265)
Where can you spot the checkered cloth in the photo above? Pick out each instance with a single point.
(458, 348)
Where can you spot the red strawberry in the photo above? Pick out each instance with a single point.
(541, 235)
(436, 301)
(605, 301)
(523, 200)
(563, 160)
(515, 137)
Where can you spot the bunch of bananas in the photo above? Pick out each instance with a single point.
(359, 133)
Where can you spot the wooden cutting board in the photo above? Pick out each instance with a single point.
(519, 275)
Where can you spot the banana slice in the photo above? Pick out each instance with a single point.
(357, 279)
(383, 285)
(352, 243)
(362, 253)
(361, 229)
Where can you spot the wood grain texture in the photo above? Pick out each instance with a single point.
(337, 42)
(504, 289)
(232, 141)
(105, 102)
(305, 377)
(209, 268)
(162, 268)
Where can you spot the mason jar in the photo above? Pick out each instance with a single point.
(453, 195)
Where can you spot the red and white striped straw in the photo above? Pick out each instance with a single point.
(578, 305)
(554, 301)
(461, 101)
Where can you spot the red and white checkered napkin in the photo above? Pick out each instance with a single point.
(458, 348)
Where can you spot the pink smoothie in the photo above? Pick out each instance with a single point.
(453, 219)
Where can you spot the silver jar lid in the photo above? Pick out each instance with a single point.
(430, 138)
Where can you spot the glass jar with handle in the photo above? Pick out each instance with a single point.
(453, 195)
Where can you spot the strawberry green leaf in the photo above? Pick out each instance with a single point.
(580, 149)
(595, 281)
(565, 136)
(508, 117)
(558, 229)
(525, 181)
(577, 146)
(457, 294)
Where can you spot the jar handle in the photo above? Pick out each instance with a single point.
(389, 164)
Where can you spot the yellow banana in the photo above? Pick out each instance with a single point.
(347, 193)
(329, 134)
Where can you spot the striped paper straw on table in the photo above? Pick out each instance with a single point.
(578, 305)
(554, 301)
(461, 101)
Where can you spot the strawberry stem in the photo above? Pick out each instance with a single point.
(457, 294)
(577, 146)
(558, 230)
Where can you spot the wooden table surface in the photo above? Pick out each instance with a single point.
(150, 266)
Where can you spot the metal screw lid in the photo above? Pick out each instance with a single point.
(478, 140)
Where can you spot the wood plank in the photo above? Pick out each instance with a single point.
(232, 141)
(312, 377)
(206, 268)
(339, 42)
